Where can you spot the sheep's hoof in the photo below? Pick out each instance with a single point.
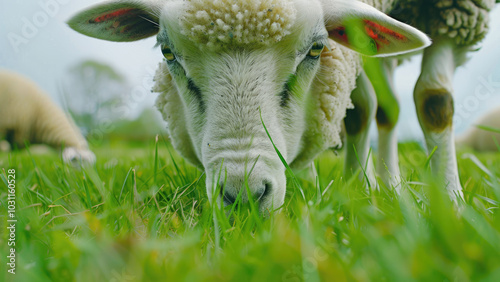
(4, 146)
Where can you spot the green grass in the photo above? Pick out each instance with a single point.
(142, 215)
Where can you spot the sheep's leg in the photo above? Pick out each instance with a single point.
(434, 104)
(7, 140)
(357, 124)
(380, 72)
(4, 145)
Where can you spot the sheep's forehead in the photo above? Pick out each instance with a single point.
(216, 24)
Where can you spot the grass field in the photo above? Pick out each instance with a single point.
(142, 215)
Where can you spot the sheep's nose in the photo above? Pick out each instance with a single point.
(230, 194)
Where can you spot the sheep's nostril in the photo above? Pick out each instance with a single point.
(265, 191)
(226, 197)
(258, 195)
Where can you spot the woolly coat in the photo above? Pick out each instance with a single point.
(28, 114)
(464, 21)
(480, 139)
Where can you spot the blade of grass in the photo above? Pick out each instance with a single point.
(123, 185)
(283, 161)
(428, 161)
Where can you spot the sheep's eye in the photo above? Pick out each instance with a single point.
(316, 50)
(167, 53)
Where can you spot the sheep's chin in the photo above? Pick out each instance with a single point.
(78, 157)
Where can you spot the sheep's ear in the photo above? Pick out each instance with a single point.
(365, 29)
(117, 21)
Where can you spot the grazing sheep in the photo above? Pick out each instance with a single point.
(229, 64)
(481, 139)
(28, 114)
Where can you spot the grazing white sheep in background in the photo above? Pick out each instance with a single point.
(28, 114)
(481, 139)
(227, 63)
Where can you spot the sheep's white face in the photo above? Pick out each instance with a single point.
(225, 90)
(232, 65)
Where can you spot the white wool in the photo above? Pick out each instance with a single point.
(28, 114)
(330, 99)
(465, 21)
(480, 139)
(215, 23)
(170, 105)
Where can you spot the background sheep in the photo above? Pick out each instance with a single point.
(455, 27)
(28, 114)
(229, 65)
(481, 139)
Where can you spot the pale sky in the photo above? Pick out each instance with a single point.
(48, 47)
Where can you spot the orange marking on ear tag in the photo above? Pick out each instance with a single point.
(379, 38)
(380, 29)
(111, 15)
